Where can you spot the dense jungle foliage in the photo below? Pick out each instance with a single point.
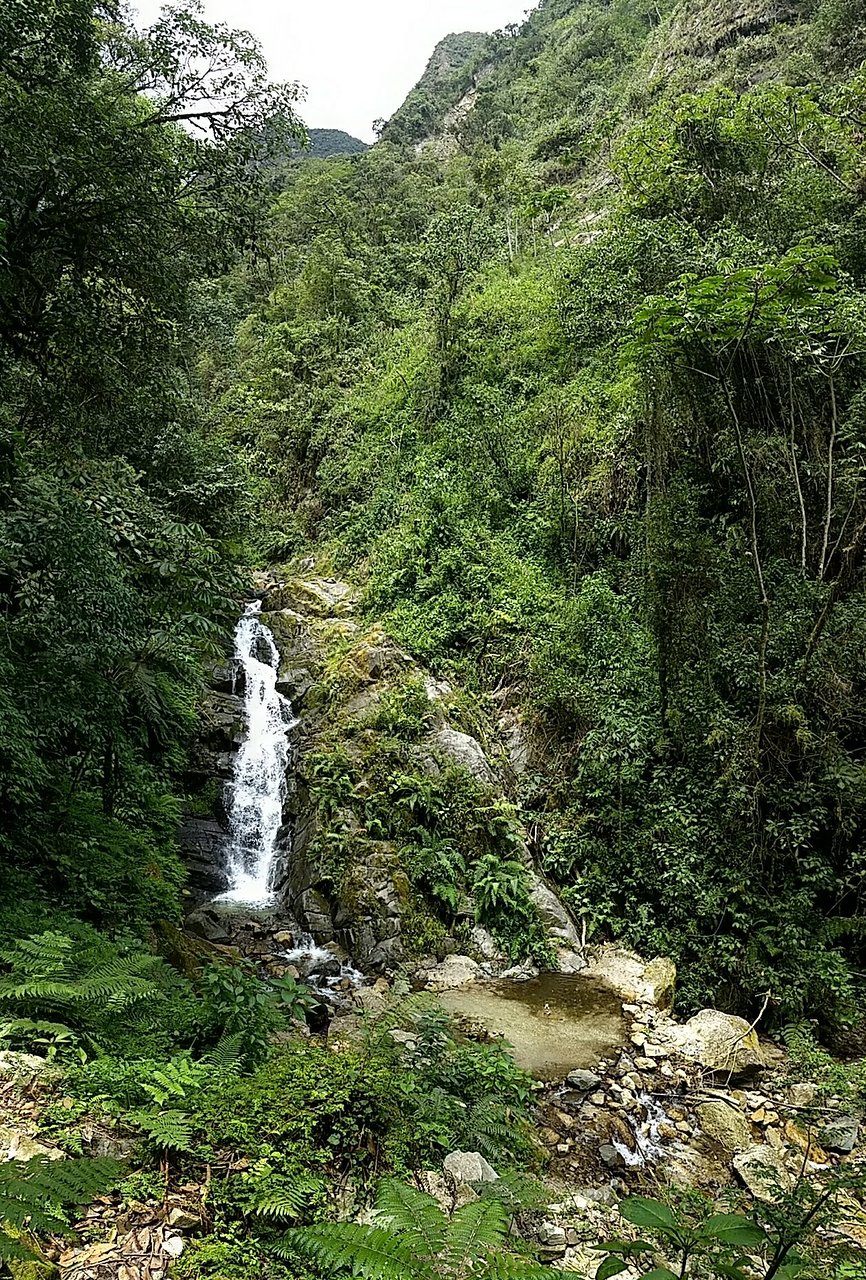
(568, 374)
(576, 384)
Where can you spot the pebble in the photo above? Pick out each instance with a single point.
(597, 1099)
(638, 1038)
(644, 1064)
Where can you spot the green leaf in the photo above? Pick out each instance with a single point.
(649, 1213)
(612, 1266)
(732, 1228)
(661, 1273)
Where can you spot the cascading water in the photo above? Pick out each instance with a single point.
(258, 787)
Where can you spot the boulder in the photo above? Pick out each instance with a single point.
(469, 1167)
(840, 1135)
(763, 1171)
(661, 976)
(464, 751)
(485, 944)
(454, 971)
(626, 972)
(13, 1063)
(15, 1144)
(720, 1042)
(725, 1124)
(554, 916)
(583, 1080)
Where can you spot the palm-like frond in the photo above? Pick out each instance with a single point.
(373, 1252)
(167, 1130)
(33, 1193)
(474, 1229)
(414, 1215)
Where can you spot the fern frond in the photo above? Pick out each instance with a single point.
(228, 1053)
(281, 1198)
(168, 1130)
(474, 1229)
(32, 1193)
(372, 1252)
(414, 1215)
(12, 1250)
(509, 1266)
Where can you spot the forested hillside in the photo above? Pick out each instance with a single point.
(539, 429)
(578, 392)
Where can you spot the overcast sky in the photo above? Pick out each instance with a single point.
(357, 58)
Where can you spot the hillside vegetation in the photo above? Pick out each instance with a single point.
(580, 398)
(566, 378)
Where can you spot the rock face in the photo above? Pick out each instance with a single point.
(553, 914)
(720, 1042)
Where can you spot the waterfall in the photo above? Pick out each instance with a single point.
(258, 786)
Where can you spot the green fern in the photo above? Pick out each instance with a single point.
(228, 1053)
(34, 1192)
(49, 974)
(415, 1239)
(282, 1198)
(167, 1130)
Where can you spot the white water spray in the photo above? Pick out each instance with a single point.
(258, 788)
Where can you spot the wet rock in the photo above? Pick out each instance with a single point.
(720, 1042)
(725, 1124)
(763, 1171)
(206, 923)
(610, 1156)
(455, 971)
(840, 1135)
(583, 1080)
(570, 961)
(520, 973)
(469, 1167)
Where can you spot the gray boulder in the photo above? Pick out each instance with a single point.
(720, 1042)
(840, 1135)
(583, 1080)
(553, 914)
(469, 1167)
(464, 751)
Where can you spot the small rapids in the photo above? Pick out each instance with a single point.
(258, 787)
(645, 1125)
(320, 968)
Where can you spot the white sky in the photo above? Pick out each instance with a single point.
(357, 58)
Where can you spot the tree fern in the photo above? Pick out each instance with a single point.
(34, 1192)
